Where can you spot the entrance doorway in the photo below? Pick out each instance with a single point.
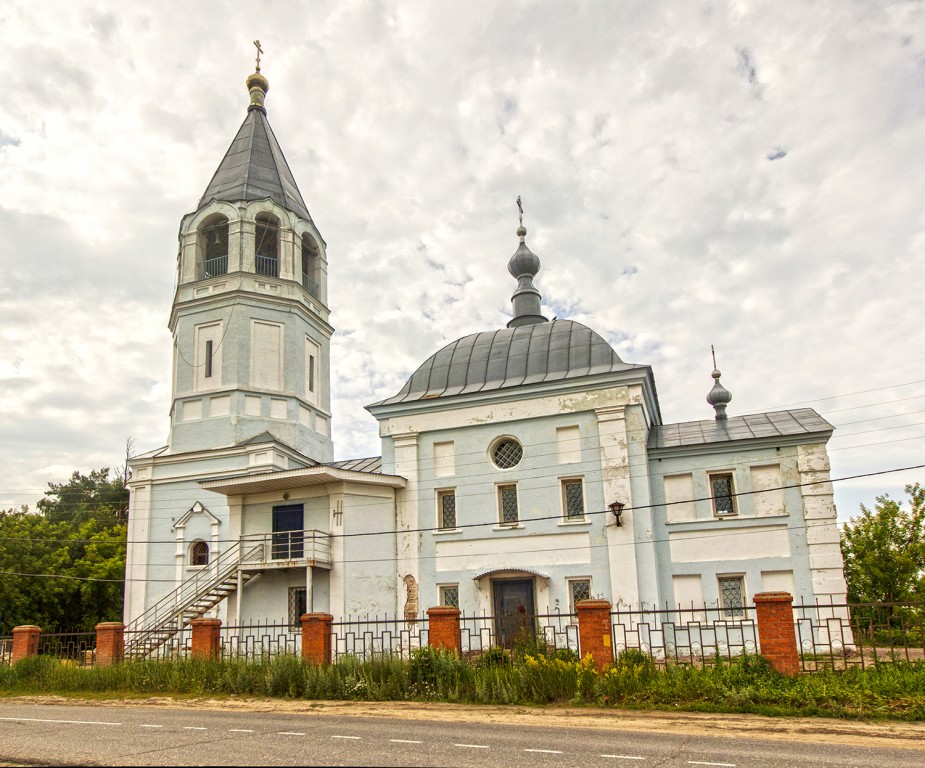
(287, 532)
(514, 610)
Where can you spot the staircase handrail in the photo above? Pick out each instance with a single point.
(175, 601)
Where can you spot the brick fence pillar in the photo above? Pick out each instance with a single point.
(110, 643)
(25, 642)
(316, 638)
(207, 638)
(776, 634)
(443, 628)
(594, 631)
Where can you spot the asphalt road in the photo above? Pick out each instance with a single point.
(105, 735)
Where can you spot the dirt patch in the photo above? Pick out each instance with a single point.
(879, 734)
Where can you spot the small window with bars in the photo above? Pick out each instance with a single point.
(578, 589)
(446, 510)
(722, 488)
(199, 553)
(573, 499)
(297, 607)
(507, 504)
(732, 596)
(449, 595)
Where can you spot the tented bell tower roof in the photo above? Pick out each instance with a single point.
(254, 167)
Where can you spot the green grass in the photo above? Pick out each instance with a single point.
(745, 685)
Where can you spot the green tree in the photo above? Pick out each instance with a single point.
(86, 496)
(63, 568)
(884, 550)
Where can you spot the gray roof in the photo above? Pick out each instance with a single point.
(371, 464)
(254, 168)
(511, 357)
(803, 421)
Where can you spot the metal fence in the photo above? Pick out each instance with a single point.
(555, 631)
(174, 644)
(256, 642)
(73, 647)
(842, 635)
(6, 651)
(695, 635)
(373, 638)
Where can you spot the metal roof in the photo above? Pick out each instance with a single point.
(372, 464)
(802, 421)
(510, 357)
(254, 168)
(238, 485)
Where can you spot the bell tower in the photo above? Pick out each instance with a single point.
(251, 339)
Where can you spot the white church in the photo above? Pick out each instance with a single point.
(522, 469)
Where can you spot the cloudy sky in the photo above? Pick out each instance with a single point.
(744, 174)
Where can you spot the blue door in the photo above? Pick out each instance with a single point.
(288, 522)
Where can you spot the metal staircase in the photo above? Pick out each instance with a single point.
(198, 594)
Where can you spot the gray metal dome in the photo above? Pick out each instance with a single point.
(512, 357)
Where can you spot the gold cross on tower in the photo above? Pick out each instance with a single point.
(259, 51)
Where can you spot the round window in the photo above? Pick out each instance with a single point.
(507, 453)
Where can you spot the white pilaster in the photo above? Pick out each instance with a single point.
(615, 476)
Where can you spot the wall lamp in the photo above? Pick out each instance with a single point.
(617, 509)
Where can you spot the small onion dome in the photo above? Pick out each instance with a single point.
(523, 266)
(719, 397)
(524, 261)
(258, 86)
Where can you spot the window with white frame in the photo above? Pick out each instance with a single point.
(573, 499)
(507, 505)
(506, 453)
(732, 596)
(449, 595)
(722, 489)
(578, 589)
(446, 509)
(297, 607)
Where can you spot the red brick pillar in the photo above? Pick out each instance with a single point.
(207, 638)
(316, 638)
(443, 628)
(25, 642)
(110, 642)
(776, 634)
(594, 631)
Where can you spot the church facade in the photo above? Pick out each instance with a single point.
(522, 468)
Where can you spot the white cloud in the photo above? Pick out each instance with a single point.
(638, 135)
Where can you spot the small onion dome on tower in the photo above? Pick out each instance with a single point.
(524, 265)
(257, 84)
(719, 396)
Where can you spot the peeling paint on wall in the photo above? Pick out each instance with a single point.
(411, 599)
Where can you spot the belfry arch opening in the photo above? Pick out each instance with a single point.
(266, 245)
(213, 247)
(311, 268)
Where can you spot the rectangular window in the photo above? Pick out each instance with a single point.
(578, 589)
(507, 504)
(573, 499)
(209, 359)
(449, 595)
(312, 371)
(446, 510)
(297, 607)
(723, 492)
(732, 596)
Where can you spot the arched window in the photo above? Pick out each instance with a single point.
(199, 553)
(267, 245)
(213, 245)
(310, 265)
